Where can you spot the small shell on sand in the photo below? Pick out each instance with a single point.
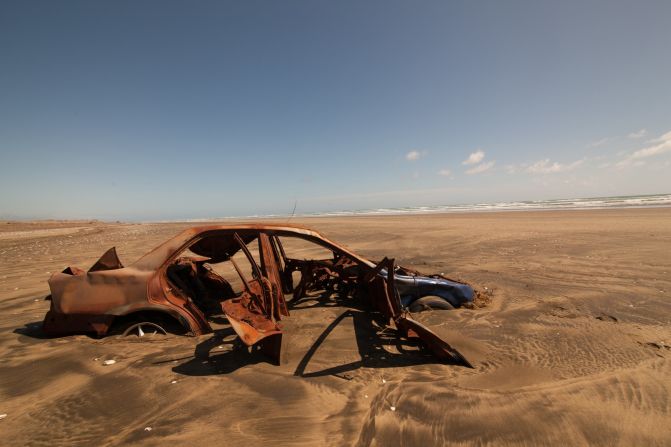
(109, 362)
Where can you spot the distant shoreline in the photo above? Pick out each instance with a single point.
(590, 203)
(578, 204)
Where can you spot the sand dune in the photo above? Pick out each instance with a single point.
(573, 348)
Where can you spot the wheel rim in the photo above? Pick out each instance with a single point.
(144, 329)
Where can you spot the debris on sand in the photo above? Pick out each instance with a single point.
(109, 362)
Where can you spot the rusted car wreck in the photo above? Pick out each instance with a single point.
(188, 278)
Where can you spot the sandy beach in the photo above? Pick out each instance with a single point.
(574, 347)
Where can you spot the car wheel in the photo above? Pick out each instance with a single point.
(428, 303)
(144, 329)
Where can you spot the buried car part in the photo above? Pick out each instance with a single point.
(185, 280)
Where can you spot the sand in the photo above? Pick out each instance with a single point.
(574, 348)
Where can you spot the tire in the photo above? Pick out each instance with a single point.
(149, 323)
(430, 302)
(144, 329)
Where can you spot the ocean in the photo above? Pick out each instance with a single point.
(642, 201)
(589, 203)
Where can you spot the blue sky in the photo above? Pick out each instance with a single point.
(161, 110)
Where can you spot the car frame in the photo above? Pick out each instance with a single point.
(163, 286)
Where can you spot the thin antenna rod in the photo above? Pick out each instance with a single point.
(294, 211)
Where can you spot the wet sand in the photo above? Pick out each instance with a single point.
(573, 349)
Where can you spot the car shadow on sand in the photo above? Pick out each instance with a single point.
(378, 346)
(223, 352)
(34, 330)
(206, 361)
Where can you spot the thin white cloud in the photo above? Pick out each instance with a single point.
(511, 169)
(482, 167)
(598, 143)
(445, 172)
(415, 155)
(475, 158)
(660, 146)
(638, 134)
(548, 167)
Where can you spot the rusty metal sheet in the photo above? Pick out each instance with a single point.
(108, 261)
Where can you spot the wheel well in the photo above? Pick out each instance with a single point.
(167, 321)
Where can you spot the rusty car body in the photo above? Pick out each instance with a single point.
(184, 280)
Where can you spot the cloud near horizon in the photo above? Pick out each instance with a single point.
(482, 167)
(413, 155)
(638, 134)
(445, 172)
(637, 158)
(598, 143)
(475, 158)
(547, 167)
